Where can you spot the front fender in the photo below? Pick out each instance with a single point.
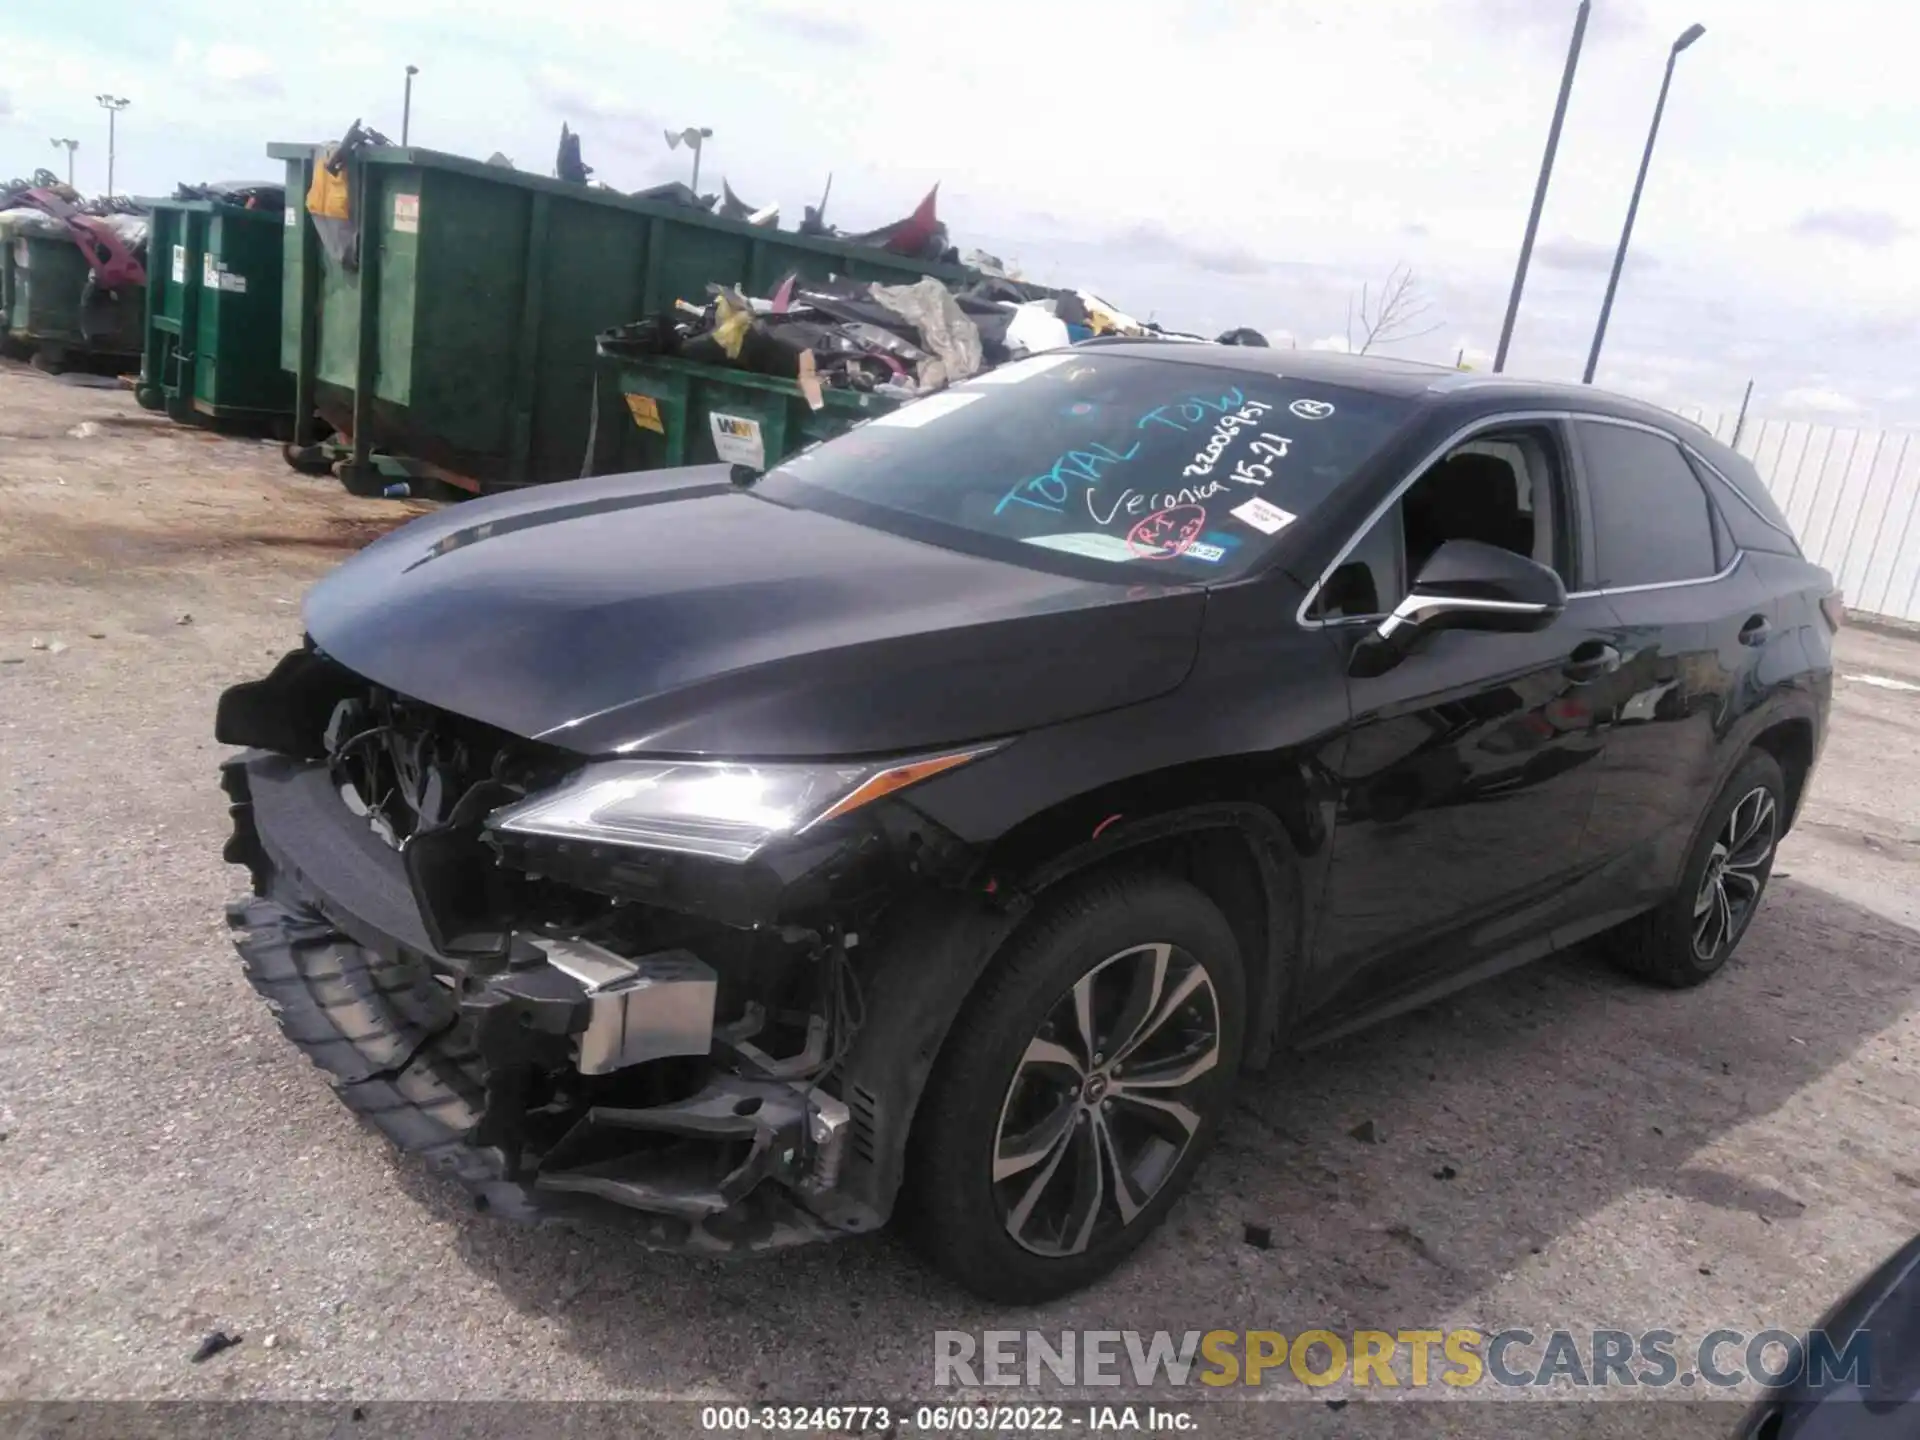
(929, 956)
(1271, 943)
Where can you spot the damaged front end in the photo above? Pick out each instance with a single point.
(564, 1017)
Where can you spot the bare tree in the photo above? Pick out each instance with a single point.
(1391, 317)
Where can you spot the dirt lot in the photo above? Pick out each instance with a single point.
(1619, 1157)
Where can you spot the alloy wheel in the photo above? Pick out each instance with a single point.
(1105, 1099)
(1736, 872)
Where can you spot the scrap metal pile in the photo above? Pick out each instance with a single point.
(73, 273)
(920, 236)
(896, 340)
(110, 230)
(893, 340)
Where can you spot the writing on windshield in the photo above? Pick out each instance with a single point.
(1116, 458)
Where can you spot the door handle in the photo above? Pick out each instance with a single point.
(1590, 660)
(1755, 631)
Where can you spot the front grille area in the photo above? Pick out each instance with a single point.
(671, 1150)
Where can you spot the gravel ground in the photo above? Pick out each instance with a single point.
(169, 1165)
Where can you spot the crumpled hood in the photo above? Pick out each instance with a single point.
(676, 613)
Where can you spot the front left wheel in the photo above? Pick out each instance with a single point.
(1079, 1090)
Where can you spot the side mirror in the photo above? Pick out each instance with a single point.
(1465, 585)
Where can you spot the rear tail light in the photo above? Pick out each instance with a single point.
(1833, 606)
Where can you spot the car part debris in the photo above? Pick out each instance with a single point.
(567, 164)
(732, 207)
(213, 1343)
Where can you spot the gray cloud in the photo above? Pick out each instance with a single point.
(1563, 252)
(829, 30)
(1537, 20)
(1153, 242)
(1879, 329)
(1041, 221)
(1213, 17)
(559, 91)
(224, 71)
(610, 124)
(1872, 228)
(1821, 400)
(260, 87)
(6, 103)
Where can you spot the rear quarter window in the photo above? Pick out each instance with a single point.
(1754, 526)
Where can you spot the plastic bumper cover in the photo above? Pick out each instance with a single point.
(332, 940)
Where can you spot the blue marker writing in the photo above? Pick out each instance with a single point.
(1052, 488)
(1193, 410)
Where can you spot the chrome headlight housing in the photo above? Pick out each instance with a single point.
(720, 809)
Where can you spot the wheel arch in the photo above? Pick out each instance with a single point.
(1241, 857)
(938, 943)
(1788, 724)
(1788, 729)
(1790, 740)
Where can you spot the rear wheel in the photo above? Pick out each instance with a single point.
(1079, 1090)
(1690, 936)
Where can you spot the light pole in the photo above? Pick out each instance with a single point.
(1540, 188)
(1687, 37)
(72, 145)
(113, 105)
(406, 106)
(692, 137)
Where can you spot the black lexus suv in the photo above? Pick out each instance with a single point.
(935, 824)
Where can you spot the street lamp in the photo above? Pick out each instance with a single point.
(1540, 188)
(692, 138)
(406, 108)
(72, 145)
(1687, 37)
(113, 105)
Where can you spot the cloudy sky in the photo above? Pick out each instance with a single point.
(1207, 162)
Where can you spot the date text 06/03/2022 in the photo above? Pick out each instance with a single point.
(945, 1419)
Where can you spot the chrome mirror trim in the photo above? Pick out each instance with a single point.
(1418, 610)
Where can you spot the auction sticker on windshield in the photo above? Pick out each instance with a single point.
(1264, 516)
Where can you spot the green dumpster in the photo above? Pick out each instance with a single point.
(212, 347)
(656, 412)
(51, 310)
(463, 342)
(7, 344)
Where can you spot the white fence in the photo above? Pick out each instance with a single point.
(1853, 498)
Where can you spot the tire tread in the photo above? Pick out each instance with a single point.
(1657, 946)
(935, 1216)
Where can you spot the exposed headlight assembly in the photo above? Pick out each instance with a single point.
(725, 810)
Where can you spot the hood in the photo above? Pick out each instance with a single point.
(677, 613)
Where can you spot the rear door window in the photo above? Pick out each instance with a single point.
(1652, 521)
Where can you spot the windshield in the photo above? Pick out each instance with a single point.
(1147, 467)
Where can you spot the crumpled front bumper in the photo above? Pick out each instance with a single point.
(333, 941)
